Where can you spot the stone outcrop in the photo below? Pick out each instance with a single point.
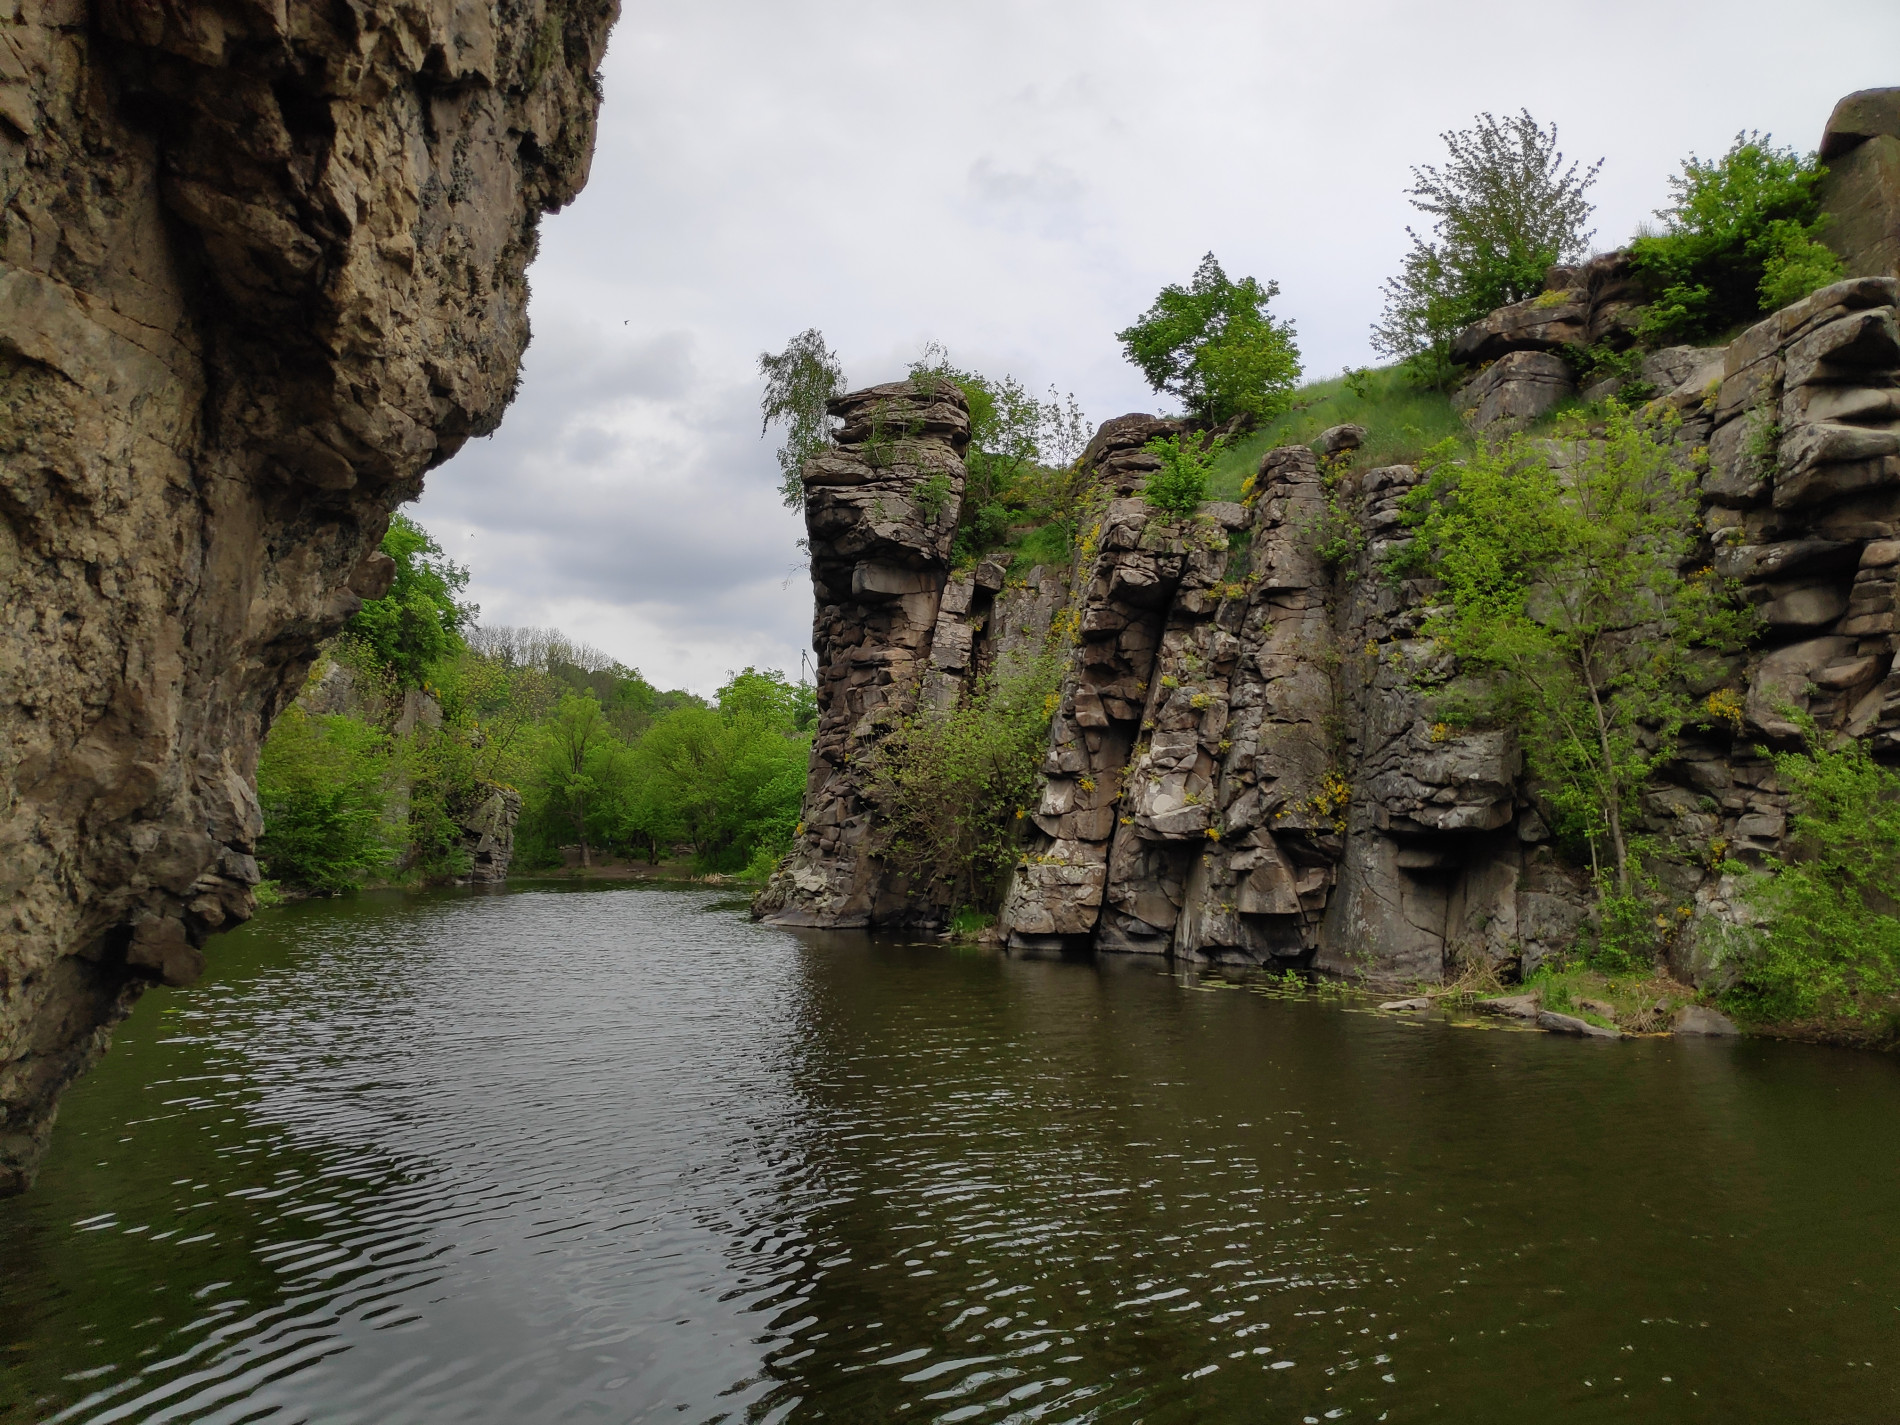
(881, 509)
(262, 267)
(1242, 765)
(1861, 192)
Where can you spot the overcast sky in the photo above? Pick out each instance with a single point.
(1015, 179)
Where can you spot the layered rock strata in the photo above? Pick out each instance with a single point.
(1242, 765)
(261, 269)
(881, 509)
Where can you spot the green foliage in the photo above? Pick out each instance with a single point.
(419, 622)
(1504, 209)
(798, 382)
(1020, 463)
(1738, 240)
(956, 785)
(1213, 346)
(577, 754)
(728, 780)
(321, 782)
(444, 789)
(1339, 537)
(1829, 943)
(1572, 620)
(1180, 485)
(1402, 422)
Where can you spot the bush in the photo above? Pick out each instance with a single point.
(1566, 603)
(321, 784)
(1738, 240)
(1180, 485)
(1019, 465)
(1213, 346)
(419, 622)
(1504, 210)
(955, 786)
(1829, 944)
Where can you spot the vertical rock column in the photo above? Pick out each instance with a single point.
(1257, 891)
(1127, 570)
(881, 509)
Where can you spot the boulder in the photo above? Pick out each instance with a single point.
(1556, 1023)
(1509, 1006)
(1862, 115)
(1336, 439)
(1406, 1006)
(1514, 390)
(1702, 1022)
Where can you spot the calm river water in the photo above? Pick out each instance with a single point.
(619, 1155)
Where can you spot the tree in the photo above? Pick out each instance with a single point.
(579, 744)
(1567, 607)
(419, 622)
(321, 784)
(1212, 345)
(798, 383)
(1504, 209)
(1738, 240)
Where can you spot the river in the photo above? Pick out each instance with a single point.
(621, 1155)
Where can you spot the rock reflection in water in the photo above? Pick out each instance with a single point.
(622, 1155)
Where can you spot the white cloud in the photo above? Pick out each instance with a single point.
(1016, 180)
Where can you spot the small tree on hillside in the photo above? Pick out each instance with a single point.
(1212, 345)
(1565, 595)
(1504, 209)
(798, 382)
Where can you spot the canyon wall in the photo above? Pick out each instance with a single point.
(262, 267)
(1242, 766)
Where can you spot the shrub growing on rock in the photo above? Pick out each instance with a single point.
(1567, 607)
(1504, 209)
(1738, 240)
(1180, 485)
(956, 785)
(1213, 346)
(1829, 941)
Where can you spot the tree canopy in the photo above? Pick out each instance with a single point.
(419, 622)
(1214, 347)
(1505, 207)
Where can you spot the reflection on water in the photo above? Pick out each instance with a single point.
(621, 1155)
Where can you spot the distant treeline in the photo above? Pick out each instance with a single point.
(417, 717)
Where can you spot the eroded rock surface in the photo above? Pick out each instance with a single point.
(261, 268)
(1242, 765)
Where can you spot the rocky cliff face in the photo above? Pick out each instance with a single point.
(1242, 766)
(262, 268)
